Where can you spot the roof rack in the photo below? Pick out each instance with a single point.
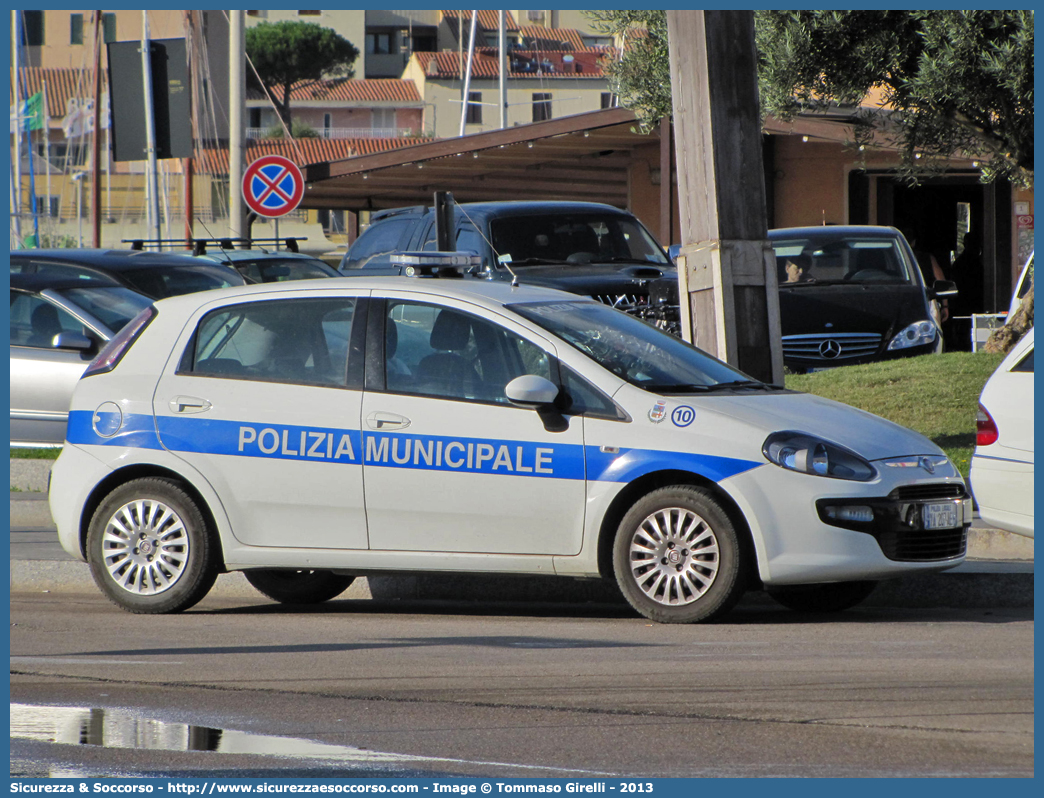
(199, 245)
(436, 264)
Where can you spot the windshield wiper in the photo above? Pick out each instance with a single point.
(753, 384)
(535, 262)
(677, 388)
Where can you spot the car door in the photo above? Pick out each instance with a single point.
(43, 376)
(265, 402)
(449, 464)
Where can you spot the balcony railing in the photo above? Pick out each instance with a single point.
(344, 132)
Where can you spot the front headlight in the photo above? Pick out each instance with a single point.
(806, 454)
(917, 334)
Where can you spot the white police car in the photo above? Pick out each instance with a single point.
(310, 433)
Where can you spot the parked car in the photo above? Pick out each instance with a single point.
(472, 426)
(58, 324)
(1002, 465)
(258, 265)
(154, 274)
(852, 294)
(584, 248)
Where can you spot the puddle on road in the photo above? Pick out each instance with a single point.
(123, 729)
(115, 728)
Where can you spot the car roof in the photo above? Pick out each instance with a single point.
(115, 260)
(39, 282)
(225, 255)
(491, 210)
(488, 293)
(834, 231)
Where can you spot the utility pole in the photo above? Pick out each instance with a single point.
(236, 133)
(726, 270)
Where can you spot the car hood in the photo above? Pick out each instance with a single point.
(850, 308)
(595, 279)
(869, 436)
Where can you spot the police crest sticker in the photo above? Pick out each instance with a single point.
(658, 412)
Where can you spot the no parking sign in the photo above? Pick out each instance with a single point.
(273, 186)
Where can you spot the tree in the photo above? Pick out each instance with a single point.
(950, 82)
(284, 53)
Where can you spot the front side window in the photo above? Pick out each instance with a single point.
(35, 322)
(818, 261)
(631, 349)
(445, 353)
(302, 341)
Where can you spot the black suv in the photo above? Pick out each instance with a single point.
(582, 247)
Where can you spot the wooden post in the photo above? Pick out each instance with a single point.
(726, 269)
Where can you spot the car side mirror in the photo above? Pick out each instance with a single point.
(71, 340)
(941, 288)
(531, 391)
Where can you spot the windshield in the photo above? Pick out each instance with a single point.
(633, 350)
(819, 260)
(114, 306)
(573, 238)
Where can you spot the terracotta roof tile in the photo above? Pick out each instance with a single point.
(300, 151)
(486, 20)
(348, 90)
(523, 63)
(62, 84)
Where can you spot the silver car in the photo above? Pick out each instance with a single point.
(58, 325)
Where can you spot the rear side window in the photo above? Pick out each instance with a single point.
(375, 247)
(303, 341)
(1026, 364)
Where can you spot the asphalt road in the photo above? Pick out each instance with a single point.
(408, 688)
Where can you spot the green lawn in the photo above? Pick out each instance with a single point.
(936, 395)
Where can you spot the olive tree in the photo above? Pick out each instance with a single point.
(950, 82)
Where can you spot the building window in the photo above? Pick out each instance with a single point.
(608, 99)
(425, 43)
(541, 106)
(309, 13)
(474, 115)
(256, 13)
(32, 28)
(379, 43)
(76, 29)
(383, 119)
(109, 27)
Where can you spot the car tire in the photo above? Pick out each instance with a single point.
(832, 597)
(677, 557)
(149, 548)
(298, 587)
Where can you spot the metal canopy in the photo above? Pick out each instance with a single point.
(581, 157)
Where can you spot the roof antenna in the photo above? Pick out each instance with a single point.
(219, 249)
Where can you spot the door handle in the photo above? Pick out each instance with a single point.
(386, 422)
(189, 404)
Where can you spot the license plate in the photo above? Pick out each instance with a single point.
(940, 516)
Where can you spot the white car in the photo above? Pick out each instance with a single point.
(1002, 466)
(311, 432)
